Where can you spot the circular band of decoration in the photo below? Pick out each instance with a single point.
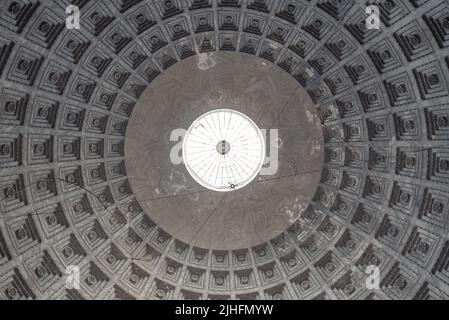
(224, 150)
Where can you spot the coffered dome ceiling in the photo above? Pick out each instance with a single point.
(87, 178)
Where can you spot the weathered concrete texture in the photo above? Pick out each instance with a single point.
(211, 219)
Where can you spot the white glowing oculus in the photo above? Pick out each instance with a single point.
(223, 150)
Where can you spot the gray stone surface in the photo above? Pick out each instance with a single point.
(208, 219)
(65, 101)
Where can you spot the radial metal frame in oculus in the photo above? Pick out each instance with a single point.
(230, 150)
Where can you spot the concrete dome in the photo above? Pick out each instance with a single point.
(86, 178)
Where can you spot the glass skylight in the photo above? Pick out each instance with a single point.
(224, 150)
